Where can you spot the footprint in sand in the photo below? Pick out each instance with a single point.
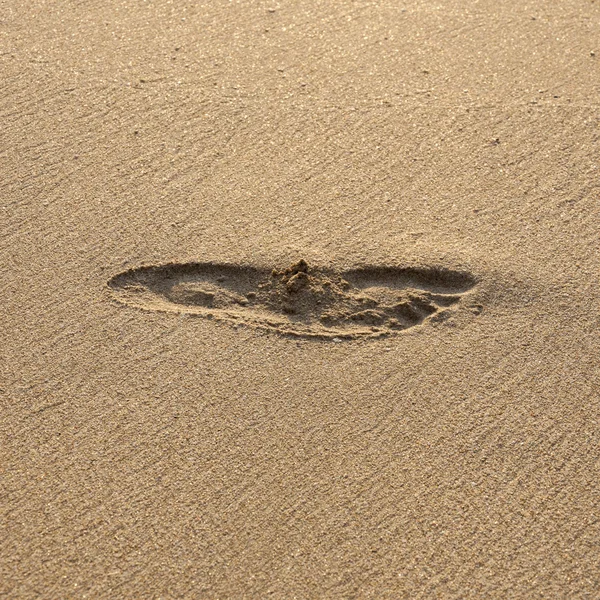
(301, 300)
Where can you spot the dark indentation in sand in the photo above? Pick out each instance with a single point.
(443, 281)
(299, 300)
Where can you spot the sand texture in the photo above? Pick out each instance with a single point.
(300, 299)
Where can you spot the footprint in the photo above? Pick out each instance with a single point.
(301, 300)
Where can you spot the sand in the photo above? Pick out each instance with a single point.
(203, 437)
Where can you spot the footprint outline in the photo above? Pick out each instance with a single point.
(300, 300)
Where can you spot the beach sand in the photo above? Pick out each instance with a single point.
(172, 430)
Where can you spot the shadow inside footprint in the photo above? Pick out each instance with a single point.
(443, 281)
(299, 300)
